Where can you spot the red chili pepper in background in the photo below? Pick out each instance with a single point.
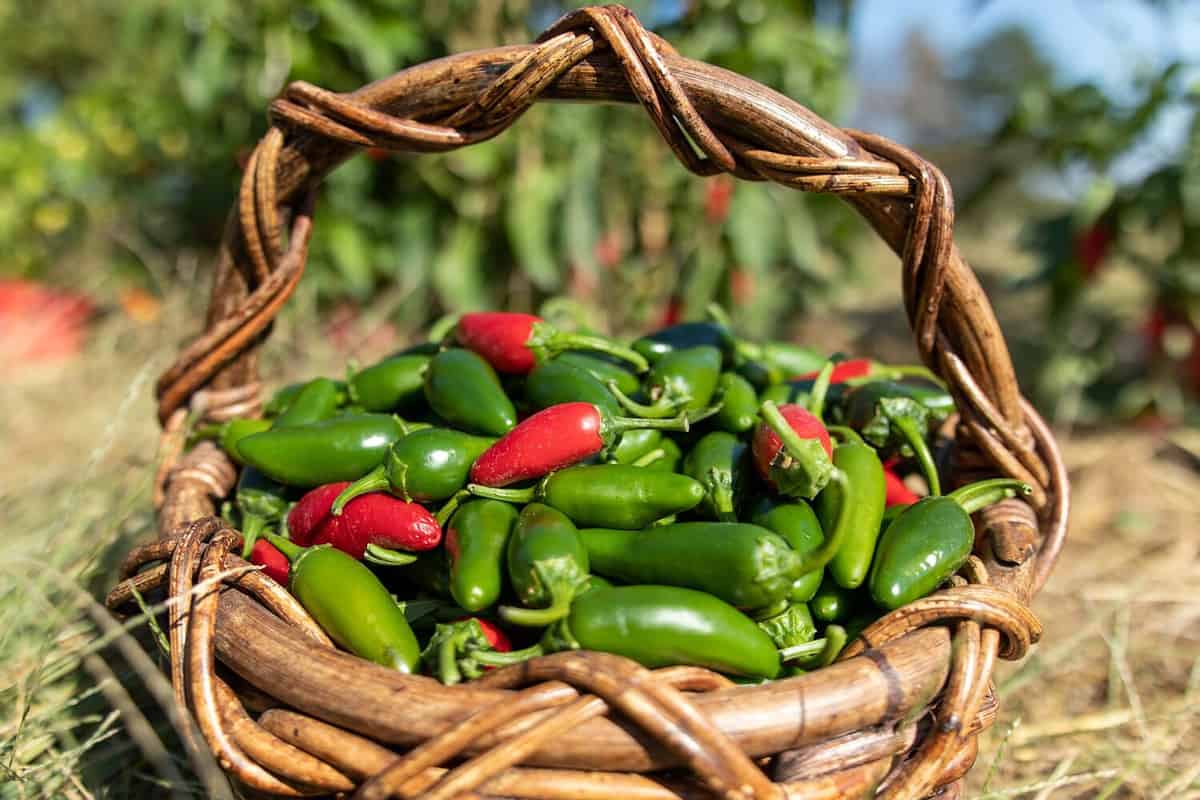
(514, 343)
(774, 463)
(898, 493)
(554, 438)
(843, 371)
(376, 518)
(717, 197)
(273, 562)
(1091, 247)
(496, 637)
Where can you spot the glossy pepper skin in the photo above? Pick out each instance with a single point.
(351, 605)
(783, 357)
(262, 503)
(718, 462)
(476, 541)
(556, 382)
(317, 400)
(685, 335)
(426, 465)
(557, 437)
(657, 626)
(745, 565)
(862, 500)
(284, 397)
(739, 403)
(465, 391)
(927, 542)
(682, 380)
(514, 343)
(373, 519)
(602, 369)
(634, 444)
(547, 566)
(832, 603)
(231, 432)
(393, 384)
(342, 448)
(779, 467)
(797, 523)
(608, 495)
(273, 562)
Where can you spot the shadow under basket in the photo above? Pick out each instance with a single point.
(285, 713)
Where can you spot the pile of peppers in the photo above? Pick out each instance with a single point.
(511, 489)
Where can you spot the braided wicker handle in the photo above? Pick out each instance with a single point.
(739, 127)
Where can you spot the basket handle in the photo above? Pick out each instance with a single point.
(713, 120)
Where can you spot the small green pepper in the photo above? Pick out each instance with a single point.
(930, 540)
(797, 523)
(426, 465)
(664, 458)
(832, 603)
(684, 336)
(476, 541)
(862, 499)
(547, 566)
(464, 390)
(557, 381)
(682, 380)
(343, 448)
(350, 604)
(283, 398)
(395, 383)
(657, 626)
(230, 433)
(718, 462)
(782, 357)
(607, 495)
(739, 403)
(742, 564)
(602, 369)
(634, 444)
(317, 400)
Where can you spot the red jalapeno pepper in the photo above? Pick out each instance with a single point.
(804, 467)
(377, 519)
(515, 343)
(898, 493)
(273, 562)
(854, 368)
(557, 437)
(446, 652)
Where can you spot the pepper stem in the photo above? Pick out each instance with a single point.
(252, 527)
(803, 650)
(538, 617)
(816, 398)
(614, 425)
(664, 406)
(286, 546)
(386, 556)
(546, 341)
(915, 438)
(912, 371)
(721, 495)
(979, 495)
(450, 506)
(517, 496)
(493, 658)
(443, 327)
(374, 481)
(845, 433)
(447, 660)
(650, 458)
(818, 558)
(807, 454)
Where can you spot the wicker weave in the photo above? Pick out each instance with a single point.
(288, 714)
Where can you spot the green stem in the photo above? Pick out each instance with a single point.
(492, 658)
(806, 649)
(681, 422)
(538, 617)
(661, 408)
(561, 341)
(845, 434)
(976, 496)
(912, 371)
(835, 640)
(816, 398)
(915, 437)
(374, 481)
(387, 557)
(450, 506)
(808, 454)
(289, 548)
(721, 495)
(351, 370)
(516, 496)
(252, 528)
(443, 327)
(447, 666)
(650, 458)
(818, 558)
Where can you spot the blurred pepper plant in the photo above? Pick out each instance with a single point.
(123, 123)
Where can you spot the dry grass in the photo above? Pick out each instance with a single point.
(1108, 706)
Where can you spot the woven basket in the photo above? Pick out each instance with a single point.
(287, 714)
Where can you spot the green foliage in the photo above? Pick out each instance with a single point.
(124, 124)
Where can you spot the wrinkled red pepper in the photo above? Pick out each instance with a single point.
(774, 463)
(514, 343)
(273, 562)
(376, 518)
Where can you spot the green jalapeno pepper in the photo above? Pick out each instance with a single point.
(602, 369)
(833, 603)
(930, 540)
(317, 400)
(230, 433)
(742, 564)
(350, 604)
(343, 448)
(739, 403)
(718, 462)
(396, 383)
(862, 499)
(657, 626)
(682, 380)
(686, 335)
(892, 415)
(284, 397)
(262, 502)
(426, 465)
(781, 358)
(797, 523)
(791, 627)
(476, 541)
(547, 566)
(664, 458)
(607, 495)
(464, 390)
(634, 444)
(556, 381)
